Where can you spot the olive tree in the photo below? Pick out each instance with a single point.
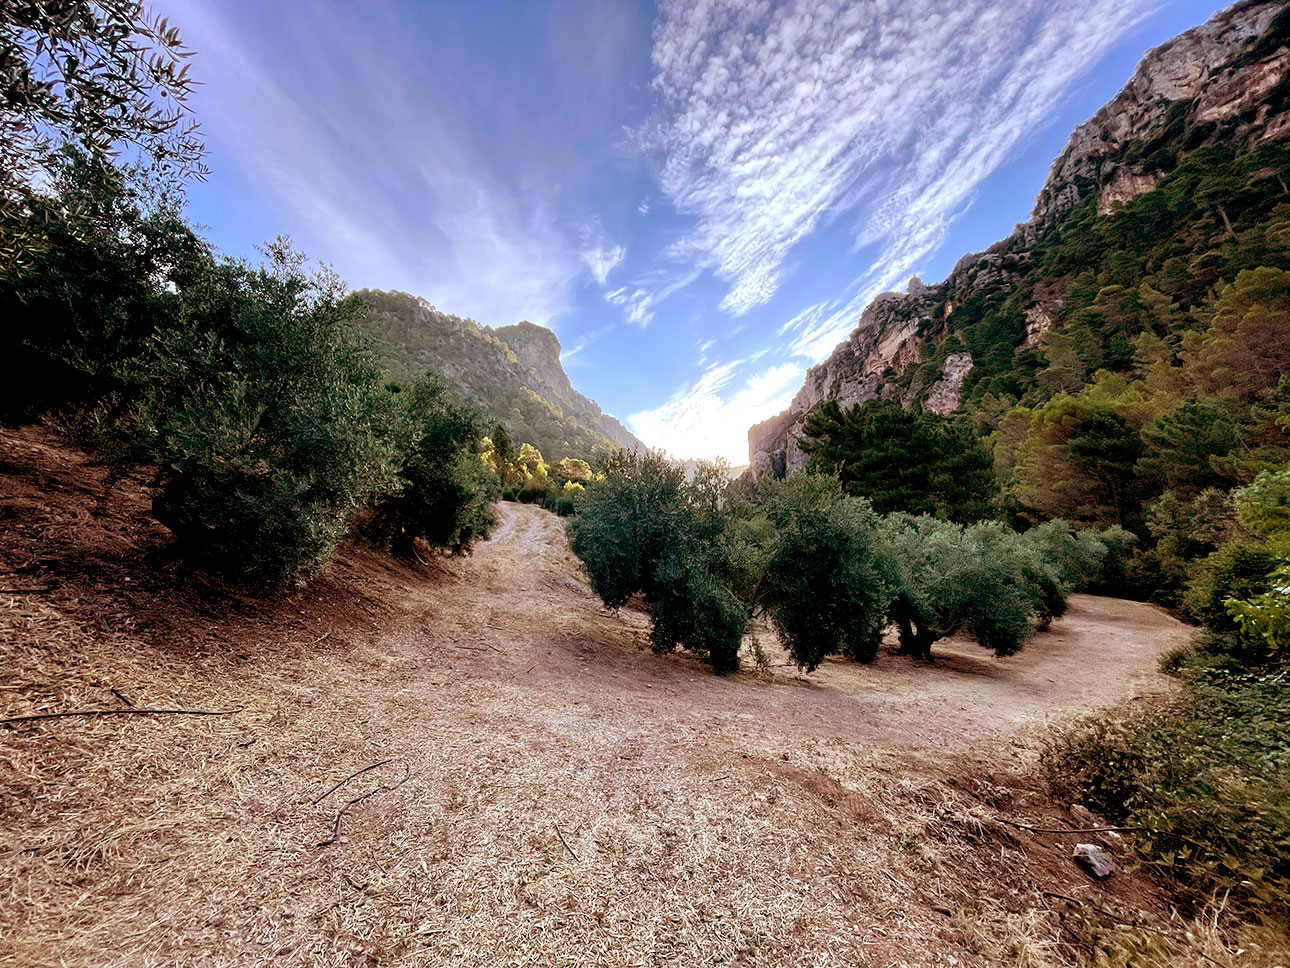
(101, 75)
(980, 580)
(642, 528)
(266, 417)
(442, 492)
(826, 585)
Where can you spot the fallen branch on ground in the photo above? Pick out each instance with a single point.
(560, 833)
(122, 712)
(350, 777)
(1076, 830)
(335, 830)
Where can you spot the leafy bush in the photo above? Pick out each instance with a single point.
(1239, 569)
(983, 580)
(1112, 578)
(642, 528)
(442, 492)
(1204, 778)
(267, 418)
(693, 608)
(1264, 620)
(1005, 594)
(825, 584)
(528, 477)
(83, 306)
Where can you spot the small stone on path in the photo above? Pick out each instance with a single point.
(1095, 860)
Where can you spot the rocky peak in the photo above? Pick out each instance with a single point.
(538, 350)
(1200, 70)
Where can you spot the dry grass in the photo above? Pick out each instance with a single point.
(556, 795)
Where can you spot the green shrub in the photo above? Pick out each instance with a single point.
(692, 608)
(266, 417)
(1112, 577)
(1239, 569)
(1204, 778)
(82, 309)
(642, 528)
(825, 585)
(983, 580)
(1003, 592)
(442, 492)
(1264, 620)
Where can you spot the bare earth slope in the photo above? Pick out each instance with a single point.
(555, 794)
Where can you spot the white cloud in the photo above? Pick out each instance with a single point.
(776, 118)
(602, 260)
(600, 254)
(711, 417)
(640, 299)
(806, 318)
(436, 222)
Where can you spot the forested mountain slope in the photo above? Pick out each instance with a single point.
(1130, 290)
(512, 373)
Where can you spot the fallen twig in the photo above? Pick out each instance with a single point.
(122, 712)
(571, 851)
(530, 668)
(26, 591)
(335, 830)
(1076, 830)
(120, 696)
(350, 777)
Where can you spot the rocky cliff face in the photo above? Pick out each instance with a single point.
(537, 350)
(512, 373)
(1199, 77)
(1217, 80)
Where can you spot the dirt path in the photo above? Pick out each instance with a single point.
(555, 793)
(539, 612)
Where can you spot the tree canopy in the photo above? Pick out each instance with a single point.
(101, 75)
(902, 460)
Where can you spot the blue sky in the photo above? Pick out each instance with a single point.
(698, 196)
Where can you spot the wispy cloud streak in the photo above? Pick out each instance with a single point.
(776, 118)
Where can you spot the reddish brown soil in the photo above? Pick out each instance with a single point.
(556, 793)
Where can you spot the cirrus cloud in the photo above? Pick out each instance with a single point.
(776, 118)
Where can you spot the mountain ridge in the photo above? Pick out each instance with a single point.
(512, 373)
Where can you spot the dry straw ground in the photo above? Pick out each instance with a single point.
(550, 792)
